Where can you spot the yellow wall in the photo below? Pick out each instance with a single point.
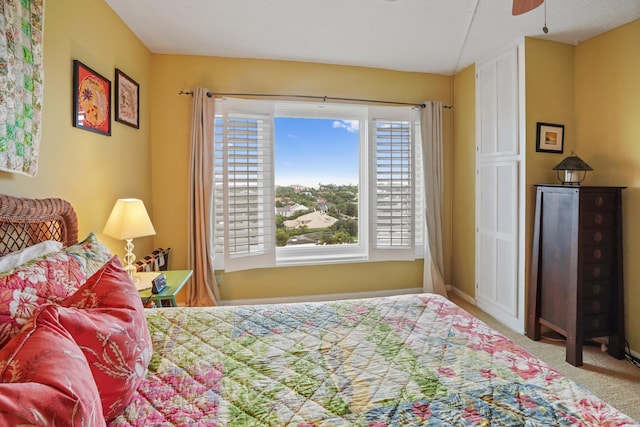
(88, 169)
(463, 259)
(319, 279)
(607, 105)
(549, 97)
(171, 126)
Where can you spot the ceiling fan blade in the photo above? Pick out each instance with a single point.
(524, 6)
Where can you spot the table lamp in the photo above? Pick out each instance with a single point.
(572, 170)
(129, 219)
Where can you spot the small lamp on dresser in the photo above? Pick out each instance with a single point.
(129, 219)
(572, 170)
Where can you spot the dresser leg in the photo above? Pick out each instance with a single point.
(616, 346)
(533, 329)
(574, 350)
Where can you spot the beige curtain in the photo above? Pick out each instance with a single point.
(431, 133)
(203, 289)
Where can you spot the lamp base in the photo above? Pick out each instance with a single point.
(129, 258)
(571, 177)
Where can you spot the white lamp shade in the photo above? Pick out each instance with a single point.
(129, 219)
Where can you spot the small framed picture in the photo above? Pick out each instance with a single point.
(127, 99)
(91, 100)
(550, 138)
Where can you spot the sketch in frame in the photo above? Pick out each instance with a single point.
(127, 100)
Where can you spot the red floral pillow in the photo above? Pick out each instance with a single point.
(106, 318)
(48, 279)
(45, 378)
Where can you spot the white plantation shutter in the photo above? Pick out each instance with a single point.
(218, 189)
(419, 202)
(393, 205)
(244, 186)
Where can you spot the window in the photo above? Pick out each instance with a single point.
(316, 177)
(381, 221)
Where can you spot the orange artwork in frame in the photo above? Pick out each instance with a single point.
(91, 100)
(549, 137)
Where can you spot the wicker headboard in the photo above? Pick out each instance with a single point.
(25, 222)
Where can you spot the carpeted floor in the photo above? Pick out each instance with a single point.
(615, 381)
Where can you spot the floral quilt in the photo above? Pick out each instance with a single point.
(409, 360)
(21, 84)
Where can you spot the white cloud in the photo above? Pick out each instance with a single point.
(352, 126)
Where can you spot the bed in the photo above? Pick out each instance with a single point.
(403, 360)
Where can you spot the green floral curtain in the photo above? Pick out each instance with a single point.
(21, 84)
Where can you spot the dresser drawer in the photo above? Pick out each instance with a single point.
(601, 272)
(595, 324)
(597, 201)
(596, 289)
(597, 236)
(597, 254)
(595, 306)
(604, 218)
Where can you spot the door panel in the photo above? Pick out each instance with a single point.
(497, 281)
(499, 270)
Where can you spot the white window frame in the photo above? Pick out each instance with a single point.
(364, 249)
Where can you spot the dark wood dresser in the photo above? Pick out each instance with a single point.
(576, 286)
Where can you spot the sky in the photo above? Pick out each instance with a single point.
(313, 151)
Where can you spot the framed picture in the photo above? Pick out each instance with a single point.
(127, 99)
(91, 100)
(550, 138)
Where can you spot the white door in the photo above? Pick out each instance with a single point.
(499, 190)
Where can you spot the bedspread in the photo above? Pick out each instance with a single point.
(406, 360)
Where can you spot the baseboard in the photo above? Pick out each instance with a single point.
(461, 295)
(322, 297)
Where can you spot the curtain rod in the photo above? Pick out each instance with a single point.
(323, 98)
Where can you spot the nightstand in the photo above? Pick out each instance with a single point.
(176, 279)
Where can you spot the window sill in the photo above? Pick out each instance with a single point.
(315, 260)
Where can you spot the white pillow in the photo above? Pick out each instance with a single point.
(14, 259)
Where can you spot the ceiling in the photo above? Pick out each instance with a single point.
(434, 36)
